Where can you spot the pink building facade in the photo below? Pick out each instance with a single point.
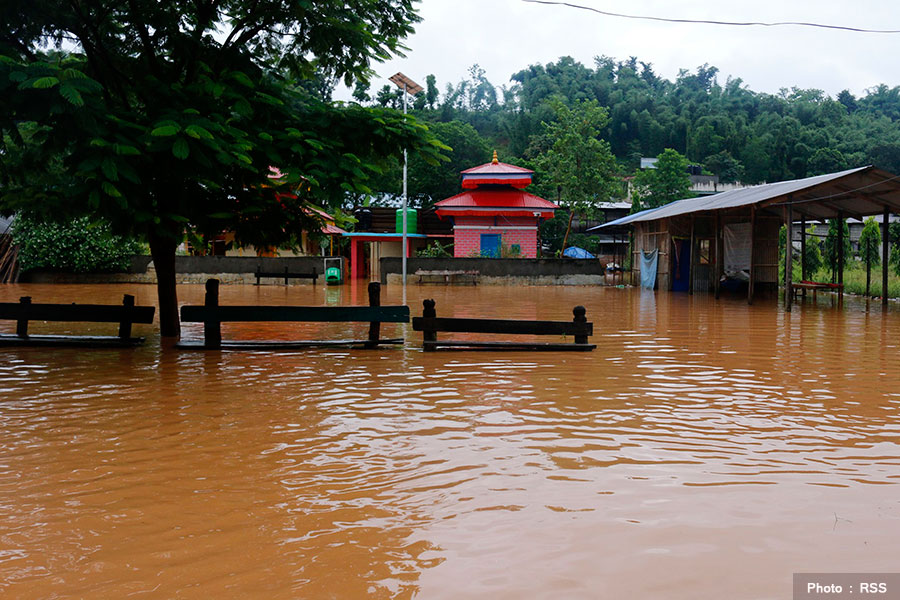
(494, 216)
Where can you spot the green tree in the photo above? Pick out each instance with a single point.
(812, 259)
(832, 250)
(869, 243)
(725, 166)
(575, 158)
(668, 182)
(167, 117)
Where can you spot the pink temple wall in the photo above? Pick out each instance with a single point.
(467, 242)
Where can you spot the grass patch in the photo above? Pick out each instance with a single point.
(855, 279)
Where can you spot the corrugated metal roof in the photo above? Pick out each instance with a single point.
(5, 224)
(865, 191)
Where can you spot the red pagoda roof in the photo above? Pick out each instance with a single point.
(497, 168)
(496, 173)
(509, 202)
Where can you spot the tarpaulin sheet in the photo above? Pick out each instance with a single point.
(649, 261)
(738, 244)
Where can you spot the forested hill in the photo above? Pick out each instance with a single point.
(730, 129)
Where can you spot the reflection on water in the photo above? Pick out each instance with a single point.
(705, 449)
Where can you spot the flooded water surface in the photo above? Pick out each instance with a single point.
(705, 449)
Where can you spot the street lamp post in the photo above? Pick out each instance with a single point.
(409, 87)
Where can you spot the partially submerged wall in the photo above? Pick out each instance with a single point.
(194, 269)
(503, 271)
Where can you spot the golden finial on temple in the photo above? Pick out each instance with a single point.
(494, 161)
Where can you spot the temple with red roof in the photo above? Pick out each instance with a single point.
(495, 212)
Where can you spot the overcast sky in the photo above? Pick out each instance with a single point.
(505, 36)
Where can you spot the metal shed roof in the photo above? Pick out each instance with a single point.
(855, 193)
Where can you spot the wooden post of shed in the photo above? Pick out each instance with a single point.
(212, 329)
(885, 255)
(789, 258)
(690, 261)
(716, 241)
(804, 276)
(840, 253)
(752, 244)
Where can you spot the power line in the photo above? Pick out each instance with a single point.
(710, 22)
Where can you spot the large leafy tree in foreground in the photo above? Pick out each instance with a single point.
(166, 117)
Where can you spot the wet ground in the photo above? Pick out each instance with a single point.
(705, 449)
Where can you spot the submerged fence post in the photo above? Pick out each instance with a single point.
(581, 319)
(212, 327)
(429, 334)
(22, 321)
(125, 323)
(374, 326)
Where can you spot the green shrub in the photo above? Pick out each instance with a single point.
(78, 246)
(435, 250)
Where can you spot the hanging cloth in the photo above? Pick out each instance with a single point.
(648, 269)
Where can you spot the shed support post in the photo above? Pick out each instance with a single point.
(885, 255)
(789, 259)
(752, 244)
(720, 258)
(840, 253)
(804, 276)
(691, 261)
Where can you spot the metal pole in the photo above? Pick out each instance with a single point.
(403, 218)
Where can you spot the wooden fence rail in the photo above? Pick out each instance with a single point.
(212, 315)
(24, 311)
(430, 324)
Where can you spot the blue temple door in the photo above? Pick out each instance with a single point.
(490, 244)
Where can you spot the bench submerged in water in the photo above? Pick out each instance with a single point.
(212, 315)
(447, 277)
(125, 315)
(430, 324)
(286, 275)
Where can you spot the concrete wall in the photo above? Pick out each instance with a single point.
(504, 271)
(513, 230)
(193, 269)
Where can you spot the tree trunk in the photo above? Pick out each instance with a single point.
(162, 249)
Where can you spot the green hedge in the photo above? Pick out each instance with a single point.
(79, 246)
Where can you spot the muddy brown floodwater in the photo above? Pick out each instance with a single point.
(705, 449)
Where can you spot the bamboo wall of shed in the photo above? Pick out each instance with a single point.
(660, 235)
